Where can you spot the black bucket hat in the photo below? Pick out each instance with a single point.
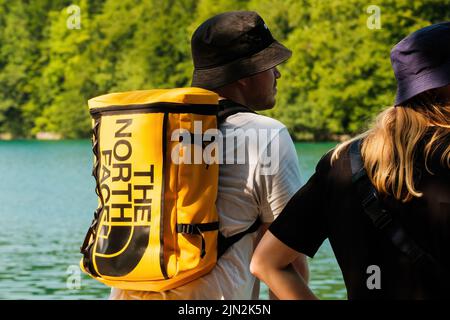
(232, 46)
(421, 61)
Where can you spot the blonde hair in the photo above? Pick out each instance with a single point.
(390, 147)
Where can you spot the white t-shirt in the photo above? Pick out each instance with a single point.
(249, 187)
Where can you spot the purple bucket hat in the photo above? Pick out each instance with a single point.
(421, 61)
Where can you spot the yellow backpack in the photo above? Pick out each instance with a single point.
(156, 226)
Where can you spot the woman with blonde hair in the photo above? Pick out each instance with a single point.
(383, 198)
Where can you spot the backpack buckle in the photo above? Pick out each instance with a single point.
(186, 228)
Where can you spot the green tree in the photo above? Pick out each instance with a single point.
(18, 52)
(65, 82)
(338, 78)
(340, 73)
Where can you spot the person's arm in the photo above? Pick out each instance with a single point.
(300, 227)
(300, 264)
(272, 263)
(276, 187)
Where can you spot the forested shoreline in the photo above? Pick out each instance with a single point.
(55, 55)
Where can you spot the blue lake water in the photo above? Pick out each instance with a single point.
(47, 201)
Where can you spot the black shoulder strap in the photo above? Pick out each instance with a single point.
(224, 243)
(228, 108)
(382, 219)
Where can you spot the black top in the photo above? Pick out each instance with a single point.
(327, 207)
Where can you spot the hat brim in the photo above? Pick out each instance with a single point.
(261, 61)
(435, 78)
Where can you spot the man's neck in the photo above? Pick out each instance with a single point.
(233, 95)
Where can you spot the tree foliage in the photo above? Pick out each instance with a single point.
(338, 78)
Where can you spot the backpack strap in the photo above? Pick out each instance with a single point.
(228, 108)
(198, 229)
(383, 220)
(224, 243)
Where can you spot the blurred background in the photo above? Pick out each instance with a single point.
(55, 55)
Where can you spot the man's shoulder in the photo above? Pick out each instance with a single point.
(255, 121)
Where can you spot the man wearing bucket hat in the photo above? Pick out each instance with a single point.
(234, 46)
(236, 56)
(383, 198)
